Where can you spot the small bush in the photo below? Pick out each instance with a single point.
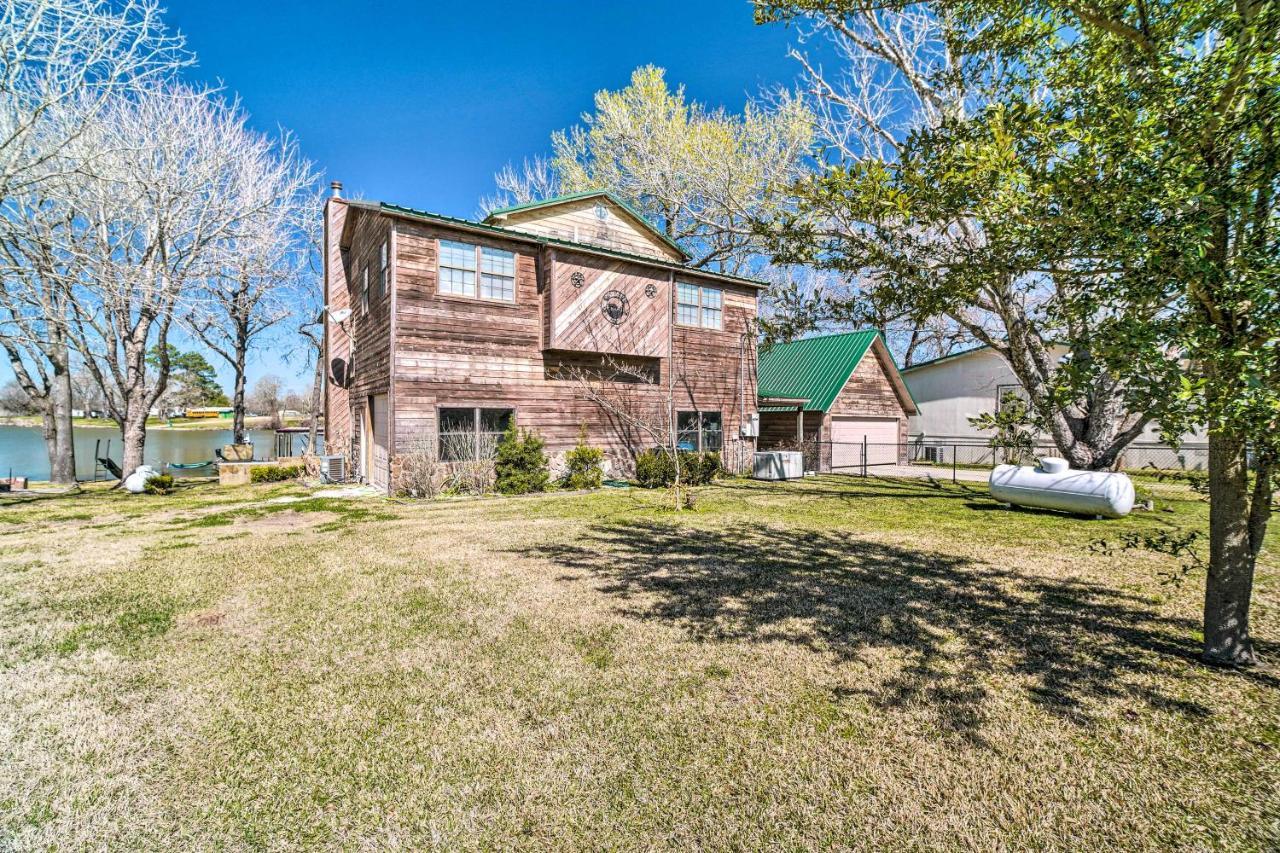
(158, 484)
(274, 473)
(656, 469)
(699, 469)
(470, 469)
(420, 473)
(584, 466)
(520, 466)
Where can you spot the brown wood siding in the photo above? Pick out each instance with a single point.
(463, 352)
(869, 393)
(576, 320)
(337, 401)
(363, 342)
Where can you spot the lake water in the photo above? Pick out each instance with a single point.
(22, 448)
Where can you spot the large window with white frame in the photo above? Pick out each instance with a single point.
(699, 305)
(478, 272)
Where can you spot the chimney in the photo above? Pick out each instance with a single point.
(336, 189)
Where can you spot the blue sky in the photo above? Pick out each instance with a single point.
(421, 103)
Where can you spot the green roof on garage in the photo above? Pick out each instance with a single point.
(815, 369)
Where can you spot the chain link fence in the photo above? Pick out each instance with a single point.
(920, 455)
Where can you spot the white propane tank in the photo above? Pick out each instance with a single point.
(135, 482)
(1053, 485)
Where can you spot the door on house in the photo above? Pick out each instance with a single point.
(848, 434)
(378, 454)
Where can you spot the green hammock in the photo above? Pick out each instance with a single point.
(186, 466)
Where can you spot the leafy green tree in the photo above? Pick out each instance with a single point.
(1131, 149)
(702, 175)
(1013, 426)
(933, 250)
(192, 379)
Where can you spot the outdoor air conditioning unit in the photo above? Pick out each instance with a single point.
(333, 469)
(933, 454)
(778, 465)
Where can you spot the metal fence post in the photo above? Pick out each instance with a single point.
(953, 463)
(864, 454)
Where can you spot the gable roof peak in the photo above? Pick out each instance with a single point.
(496, 216)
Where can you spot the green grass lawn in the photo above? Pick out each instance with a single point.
(837, 663)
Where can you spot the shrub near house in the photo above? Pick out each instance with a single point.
(520, 466)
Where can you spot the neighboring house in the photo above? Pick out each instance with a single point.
(841, 393)
(440, 331)
(956, 387)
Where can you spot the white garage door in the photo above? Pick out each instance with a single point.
(378, 458)
(847, 435)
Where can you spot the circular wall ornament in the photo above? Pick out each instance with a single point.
(577, 279)
(651, 290)
(602, 213)
(615, 307)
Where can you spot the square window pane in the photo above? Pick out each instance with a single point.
(711, 318)
(457, 420)
(711, 298)
(497, 287)
(497, 261)
(457, 281)
(454, 254)
(495, 420)
(687, 315)
(686, 294)
(712, 432)
(687, 430)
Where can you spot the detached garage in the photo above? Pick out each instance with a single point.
(838, 397)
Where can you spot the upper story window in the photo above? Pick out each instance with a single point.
(364, 290)
(697, 305)
(464, 265)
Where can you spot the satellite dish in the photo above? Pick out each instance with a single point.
(341, 315)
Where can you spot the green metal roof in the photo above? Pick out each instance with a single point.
(561, 199)
(814, 369)
(511, 233)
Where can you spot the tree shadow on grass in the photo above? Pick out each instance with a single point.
(952, 621)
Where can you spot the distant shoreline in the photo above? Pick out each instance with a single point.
(176, 424)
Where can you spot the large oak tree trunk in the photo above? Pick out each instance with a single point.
(1229, 585)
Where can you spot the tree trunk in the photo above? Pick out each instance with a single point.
(317, 391)
(1229, 585)
(134, 432)
(57, 428)
(237, 401)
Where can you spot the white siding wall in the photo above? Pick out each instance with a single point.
(952, 391)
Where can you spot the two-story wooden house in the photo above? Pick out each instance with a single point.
(565, 315)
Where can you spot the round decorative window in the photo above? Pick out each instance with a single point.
(615, 307)
(651, 290)
(577, 279)
(602, 212)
